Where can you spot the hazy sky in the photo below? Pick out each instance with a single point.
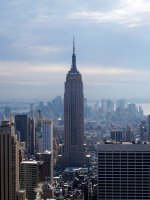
(112, 47)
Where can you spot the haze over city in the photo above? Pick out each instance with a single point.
(112, 47)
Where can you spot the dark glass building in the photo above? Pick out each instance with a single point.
(25, 127)
(74, 155)
(21, 122)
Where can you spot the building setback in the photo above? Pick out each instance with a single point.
(123, 171)
(73, 117)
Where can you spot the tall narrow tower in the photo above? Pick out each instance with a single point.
(74, 155)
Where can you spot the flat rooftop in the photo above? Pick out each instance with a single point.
(123, 147)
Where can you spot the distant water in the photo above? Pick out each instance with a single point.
(146, 108)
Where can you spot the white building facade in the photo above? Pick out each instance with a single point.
(45, 137)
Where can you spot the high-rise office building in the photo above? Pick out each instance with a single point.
(148, 127)
(57, 106)
(31, 174)
(110, 106)
(47, 158)
(9, 161)
(73, 117)
(25, 127)
(117, 135)
(7, 112)
(129, 134)
(123, 171)
(104, 105)
(44, 135)
(121, 104)
(131, 109)
(21, 122)
(143, 130)
(31, 135)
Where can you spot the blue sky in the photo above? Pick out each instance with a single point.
(112, 47)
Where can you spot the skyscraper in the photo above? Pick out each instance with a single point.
(25, 127)
(47, 158)
(73, 117)
(148, 128)
(123, 171)
(44, 135)
(9, 161)
(21, 122)
(31, 174)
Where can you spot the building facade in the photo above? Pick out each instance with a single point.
(9, 161)
(73, 117)
(31, 174)
(123, 171)
(47, 159)
(22, 123)
(117, 135)
(44, 135)
(25, 127)
(148, 127)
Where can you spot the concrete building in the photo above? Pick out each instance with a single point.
(9, 161)
(57, 106)
(117, 135)
(132, 109)
(148, 127)
(121, 104)
(110, 106)
(73, 117)
(47, 159)
(123, 171)
(104, 105)
(31, 136)
(21, 195)
(143, 130)
(31, 174)
(7, 112)
(129, 134)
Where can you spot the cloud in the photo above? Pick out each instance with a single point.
(112, 44)
(22, 79)
(28, 70)
(34, 30)
(41, 49)
(99, 70)
(130, 13)
(24, 82)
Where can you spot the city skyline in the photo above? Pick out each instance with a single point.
(112, 45)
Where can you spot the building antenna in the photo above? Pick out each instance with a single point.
(73, 44)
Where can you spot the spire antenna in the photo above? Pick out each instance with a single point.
(73, 44)
(73, 66)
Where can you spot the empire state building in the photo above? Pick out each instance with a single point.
(74, 155)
